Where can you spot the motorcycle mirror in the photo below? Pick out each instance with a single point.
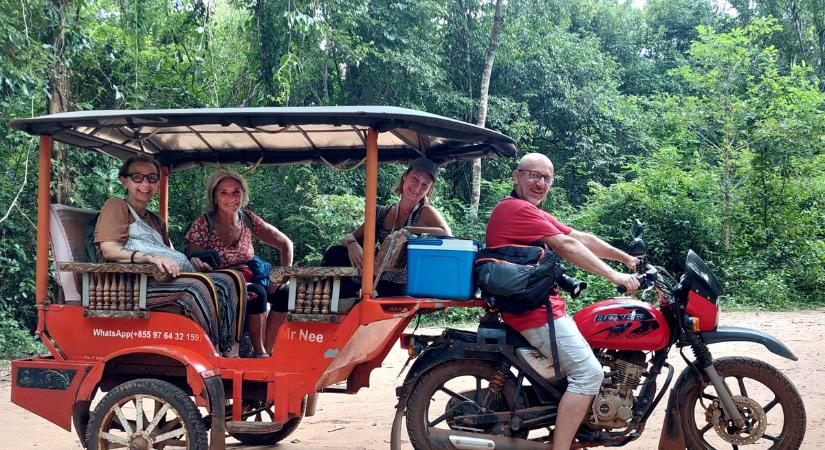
(637, 231)
(637, 248)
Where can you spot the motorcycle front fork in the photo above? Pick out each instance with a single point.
(705, 362)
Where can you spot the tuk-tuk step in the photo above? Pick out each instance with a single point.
(240, 426)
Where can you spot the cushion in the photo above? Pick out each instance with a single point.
(67, 230)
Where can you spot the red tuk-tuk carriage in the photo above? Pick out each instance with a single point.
(157, 368)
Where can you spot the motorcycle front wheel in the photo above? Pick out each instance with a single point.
(767, 400)
(453, 389)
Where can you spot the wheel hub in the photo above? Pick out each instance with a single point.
(139, 441)
(756, 422)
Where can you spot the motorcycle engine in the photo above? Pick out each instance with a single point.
(613, 405)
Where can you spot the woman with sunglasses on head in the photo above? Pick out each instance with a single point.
(229, 229)
(127, 232)
(413, 212)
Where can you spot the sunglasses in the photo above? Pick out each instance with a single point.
(139, 177)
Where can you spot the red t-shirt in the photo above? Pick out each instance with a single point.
(518, 222)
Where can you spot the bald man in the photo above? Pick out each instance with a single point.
(517, 220)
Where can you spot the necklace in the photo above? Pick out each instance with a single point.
(408, 215)
(230, 233)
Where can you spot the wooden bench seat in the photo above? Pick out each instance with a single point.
(103, 289)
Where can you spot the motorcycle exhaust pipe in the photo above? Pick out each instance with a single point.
(459, 440)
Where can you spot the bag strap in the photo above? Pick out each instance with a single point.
(210, 224)
(380, 213)
(554, 349)
(246, 219)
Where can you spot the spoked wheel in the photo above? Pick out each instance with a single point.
(454, 389)
(146, 414)
(259, 412)
(773, 411)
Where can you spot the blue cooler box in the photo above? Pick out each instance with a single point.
(440, 268)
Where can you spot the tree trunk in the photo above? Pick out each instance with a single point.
(726, 201)
(265, 50)
(468, 65)
(59, 102)
(482, 102)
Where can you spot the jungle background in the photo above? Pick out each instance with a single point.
(704, 119)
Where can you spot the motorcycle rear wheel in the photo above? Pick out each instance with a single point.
(765, 397)
(452, 389)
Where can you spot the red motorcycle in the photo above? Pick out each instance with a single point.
(490, 389)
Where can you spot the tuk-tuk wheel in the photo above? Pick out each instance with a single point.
(266, 413)
(146, 414)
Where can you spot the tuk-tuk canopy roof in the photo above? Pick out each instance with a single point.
(182, 138)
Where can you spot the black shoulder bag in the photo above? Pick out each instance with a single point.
(520, 278)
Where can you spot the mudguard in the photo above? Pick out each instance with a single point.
(217, 431)
(733, 334)
(197, 367)
(451, 345)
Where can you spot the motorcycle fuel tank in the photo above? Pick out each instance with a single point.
(623, 324)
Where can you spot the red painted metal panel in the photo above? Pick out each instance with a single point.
(47, 387)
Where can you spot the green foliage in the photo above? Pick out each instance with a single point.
(675, 197)
(323, 222)
(453, 316)
(15, 341)
(799, 41)
(706, 126)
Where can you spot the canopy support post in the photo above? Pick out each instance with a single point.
(369, 214)
(44, 179)
(41, 272)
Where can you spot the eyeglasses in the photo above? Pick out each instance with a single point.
(139, 177)
(536, 176)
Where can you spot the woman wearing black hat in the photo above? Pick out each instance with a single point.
(413, 212)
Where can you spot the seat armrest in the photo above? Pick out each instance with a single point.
(114, 289)
(279, 274)
(148, 269)
(313, 291)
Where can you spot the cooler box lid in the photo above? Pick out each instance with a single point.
(442, 244)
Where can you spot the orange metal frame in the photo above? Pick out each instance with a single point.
(308, 357)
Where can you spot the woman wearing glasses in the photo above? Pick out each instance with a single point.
(126, 232)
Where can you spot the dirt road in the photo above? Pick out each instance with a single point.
(362, 421)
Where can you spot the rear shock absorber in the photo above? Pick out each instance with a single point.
(497, 383)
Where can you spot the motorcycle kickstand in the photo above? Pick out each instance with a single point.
(395, 430)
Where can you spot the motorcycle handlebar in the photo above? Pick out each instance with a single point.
(649, 276)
